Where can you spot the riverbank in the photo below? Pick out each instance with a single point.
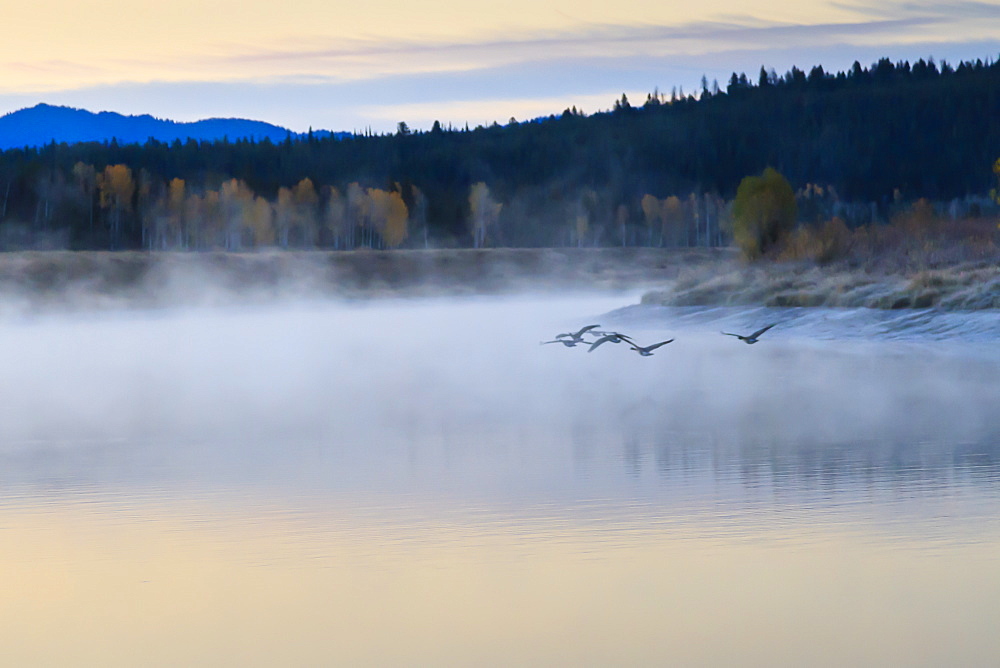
(87, 280)
(669, 277)
(960, 286)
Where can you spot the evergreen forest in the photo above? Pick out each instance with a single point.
(857, 145)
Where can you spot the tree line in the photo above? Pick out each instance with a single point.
(857, 145)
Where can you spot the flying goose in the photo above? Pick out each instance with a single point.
(576, 335)
(609, 337)
(751, 338)
(646, 351)
(570, 339)
(569, 343)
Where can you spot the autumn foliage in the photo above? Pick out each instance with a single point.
(764, 212)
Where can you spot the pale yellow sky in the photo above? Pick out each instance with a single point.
(71, 44)
(188, 59)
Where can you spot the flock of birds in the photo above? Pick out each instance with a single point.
(573, 339)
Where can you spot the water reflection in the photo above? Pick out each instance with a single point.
(306, 487)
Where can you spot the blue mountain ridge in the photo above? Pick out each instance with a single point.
(44, 123)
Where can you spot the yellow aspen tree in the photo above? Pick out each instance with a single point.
(397, 222)
(306, 211)
(651, 211)
(116, 187)
(672, 217)
(261, 222)
(389, 215)
(377, 210)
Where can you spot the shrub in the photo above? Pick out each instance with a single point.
(823, 244)
(764, 212)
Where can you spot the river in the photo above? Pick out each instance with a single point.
(419, 482)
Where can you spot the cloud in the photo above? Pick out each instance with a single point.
(318, 60)
(939, 11)
(376, 82)
(481, 95)
(365, 58)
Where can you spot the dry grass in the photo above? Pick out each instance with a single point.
(915, 240)
(973, 285)
(920, 260)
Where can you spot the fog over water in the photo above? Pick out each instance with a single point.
(434, 444)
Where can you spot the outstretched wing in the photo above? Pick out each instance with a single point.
(762, 330)
(585, 330)
(657, 345)
(603, 339)
(738, 336)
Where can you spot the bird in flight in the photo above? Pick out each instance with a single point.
(577, 335)
(609, 337)
(646, 351)
(570, 339)
(751, 338)
(569, 343)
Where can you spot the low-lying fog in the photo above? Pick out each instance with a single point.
(419, 482)
(457, 394)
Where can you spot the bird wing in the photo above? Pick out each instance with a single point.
(657, 345)
(762, 330)
(598, 342)
(738, 336)
(585, 330)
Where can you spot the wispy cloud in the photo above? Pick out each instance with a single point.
(354, 83)
(952, 10)
(372, 57)
(342, 60)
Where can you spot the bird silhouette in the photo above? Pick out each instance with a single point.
(576, 335)
(751, 338)
(646, 351)
(609, 337)
(569, 343)
(570, 339)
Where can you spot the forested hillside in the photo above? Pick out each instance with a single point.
(44, 123)
(853, 144)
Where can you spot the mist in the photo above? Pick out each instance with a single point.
(455, 393)
(203, 451)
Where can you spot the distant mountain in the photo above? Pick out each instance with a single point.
(43, 123)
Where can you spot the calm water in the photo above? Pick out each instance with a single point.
(421, 483)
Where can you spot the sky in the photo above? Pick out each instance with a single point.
(339, 66)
